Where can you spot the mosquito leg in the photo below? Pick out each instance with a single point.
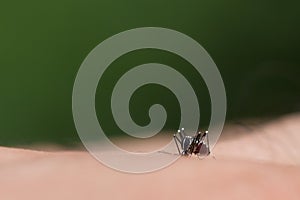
(181, 133)
(176, 142)
(177, 139)
(207, 140)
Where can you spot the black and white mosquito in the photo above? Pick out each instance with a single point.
(192, 145)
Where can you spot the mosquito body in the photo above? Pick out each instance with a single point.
(189, 145)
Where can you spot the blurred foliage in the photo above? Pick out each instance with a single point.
(255, 44)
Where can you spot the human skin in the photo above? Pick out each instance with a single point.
(261, 163)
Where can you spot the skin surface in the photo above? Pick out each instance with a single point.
(262, 163)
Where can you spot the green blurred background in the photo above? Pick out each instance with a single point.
(255, 44)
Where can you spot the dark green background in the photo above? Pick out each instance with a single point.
(255, 44)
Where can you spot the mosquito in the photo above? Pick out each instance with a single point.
(192, 145)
